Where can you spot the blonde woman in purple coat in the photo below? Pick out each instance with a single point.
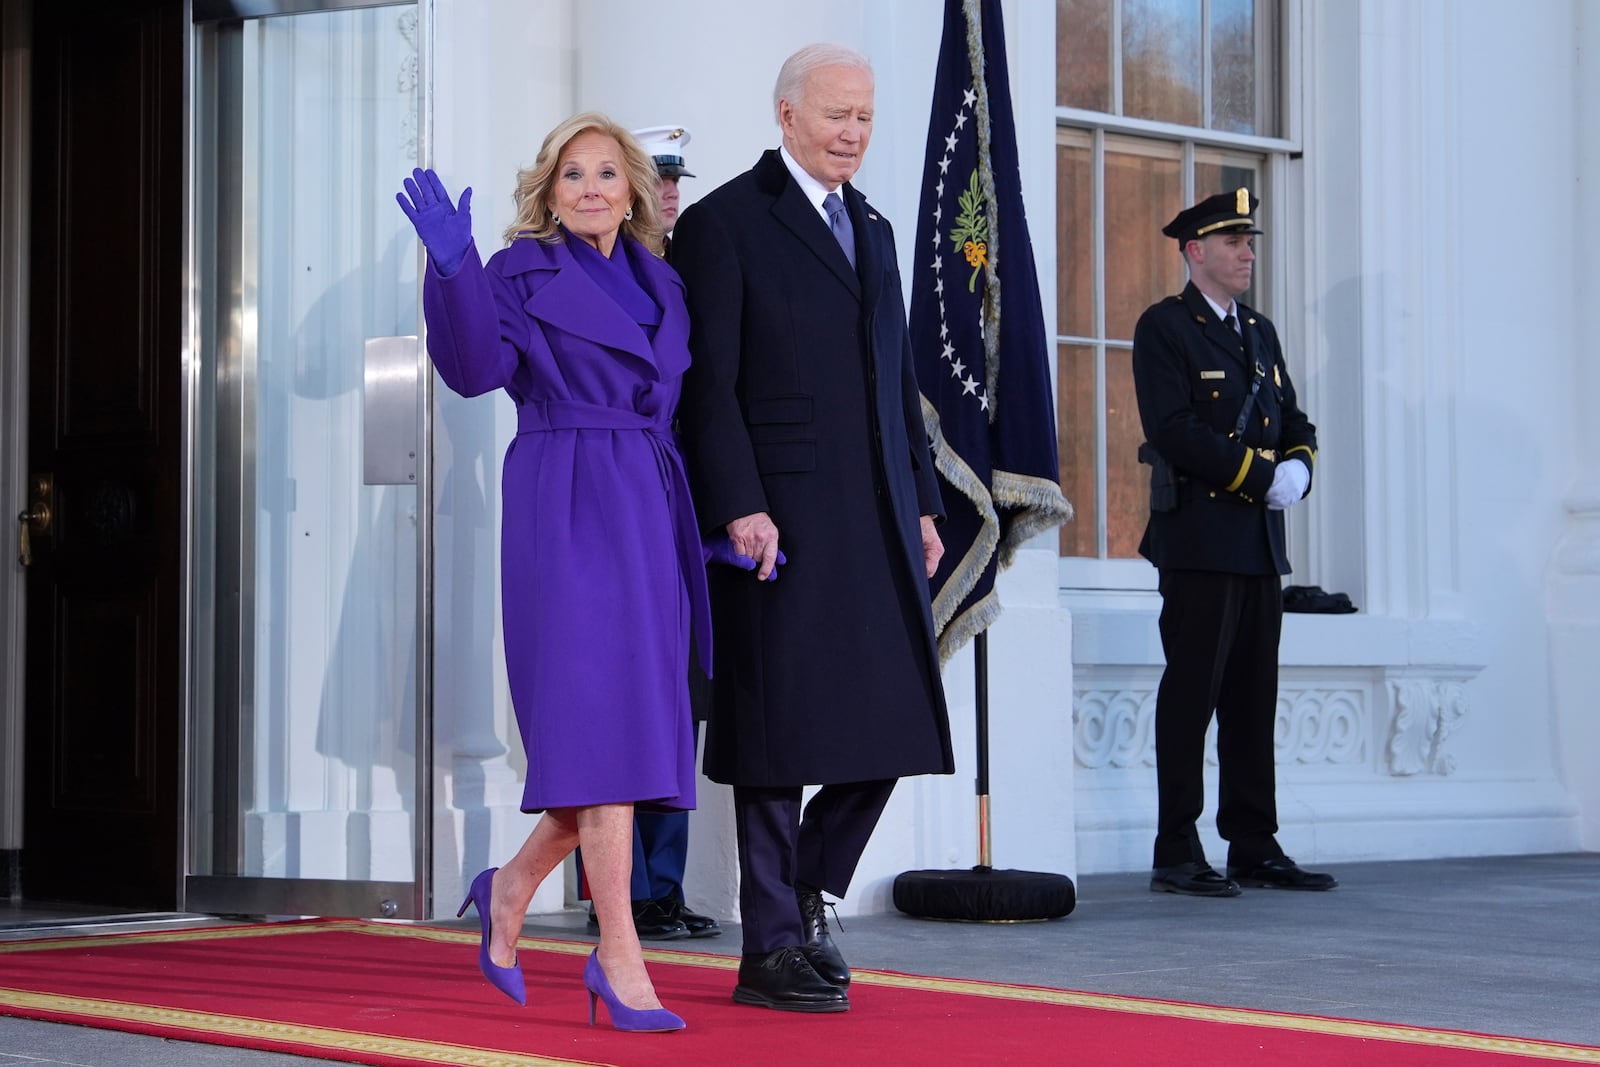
(603, 573)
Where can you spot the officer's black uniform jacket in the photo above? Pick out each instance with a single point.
(1192, 375)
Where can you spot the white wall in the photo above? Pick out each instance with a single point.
(1519, 352)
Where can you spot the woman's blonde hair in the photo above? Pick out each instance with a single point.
(535, 183)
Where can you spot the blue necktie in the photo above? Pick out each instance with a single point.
(839, 223)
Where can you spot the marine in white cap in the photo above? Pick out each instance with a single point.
(665, 145)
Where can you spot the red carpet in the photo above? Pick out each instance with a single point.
(390, 994)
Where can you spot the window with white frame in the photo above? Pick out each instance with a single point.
(1158, 103)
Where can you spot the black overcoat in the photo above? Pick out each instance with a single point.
(1192, 375)
(801, 402)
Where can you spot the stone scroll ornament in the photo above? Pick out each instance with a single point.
(1425, 715)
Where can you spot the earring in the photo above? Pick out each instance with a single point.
(628, 216)
(555, 218)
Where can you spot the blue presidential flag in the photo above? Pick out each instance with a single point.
(977, 329)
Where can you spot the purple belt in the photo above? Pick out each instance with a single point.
(552, 415)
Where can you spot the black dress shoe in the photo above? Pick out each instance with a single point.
(698, 925)
(1194, 879)
(650, 920)
(784, 981)
(1280, 873)
(655, 921)
(819, 949)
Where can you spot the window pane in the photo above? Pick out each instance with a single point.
(1144, 189)
(1083, 54)
(1161, 67)
(1074, 234)
(1214, 173)
(1233, 66)
(1076, 438)
(1127, 480)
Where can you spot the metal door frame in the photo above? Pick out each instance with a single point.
(15, 120)
(218, 655)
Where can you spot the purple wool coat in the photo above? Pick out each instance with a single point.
(602, 573)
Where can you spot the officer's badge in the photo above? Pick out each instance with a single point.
(1277, 379)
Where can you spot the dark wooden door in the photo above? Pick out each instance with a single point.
(102, 805)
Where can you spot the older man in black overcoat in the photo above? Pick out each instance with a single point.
(803, 430)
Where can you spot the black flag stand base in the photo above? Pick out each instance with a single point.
(983, 894)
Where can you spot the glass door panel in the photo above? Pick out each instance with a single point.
(311, 763)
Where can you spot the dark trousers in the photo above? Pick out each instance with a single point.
(779, 846)
(660, 853)
(1220, 635)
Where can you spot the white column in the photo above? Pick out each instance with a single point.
(1322, 332)
(1409, 305)
(1574, 580)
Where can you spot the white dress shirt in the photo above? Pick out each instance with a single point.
(815, 191)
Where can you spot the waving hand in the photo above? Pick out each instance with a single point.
(445, 229)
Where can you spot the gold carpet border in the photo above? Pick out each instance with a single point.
(1372, 1031)
(368, 927)
(970, 987)
(311, 1037)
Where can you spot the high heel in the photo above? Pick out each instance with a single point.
(506, 979)
(633, 1020)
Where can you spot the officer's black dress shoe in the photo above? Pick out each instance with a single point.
(698, 925)
(819, 949)
(1195, 879)
(785, 981)
(1280, 873)
(652, 921)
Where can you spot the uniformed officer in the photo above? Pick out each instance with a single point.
(665, 145)
(1230, 452)
(661, 839)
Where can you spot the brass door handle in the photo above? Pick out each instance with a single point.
(34, 520)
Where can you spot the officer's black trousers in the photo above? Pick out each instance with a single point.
(1220, 634)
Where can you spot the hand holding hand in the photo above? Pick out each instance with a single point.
(1289, 483)
(932, 547)
(756, 536)
(445, 229)
(721, 550)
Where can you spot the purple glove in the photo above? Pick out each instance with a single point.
(445, 229)
(720, 550)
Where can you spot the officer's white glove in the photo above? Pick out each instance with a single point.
(1289, 484)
